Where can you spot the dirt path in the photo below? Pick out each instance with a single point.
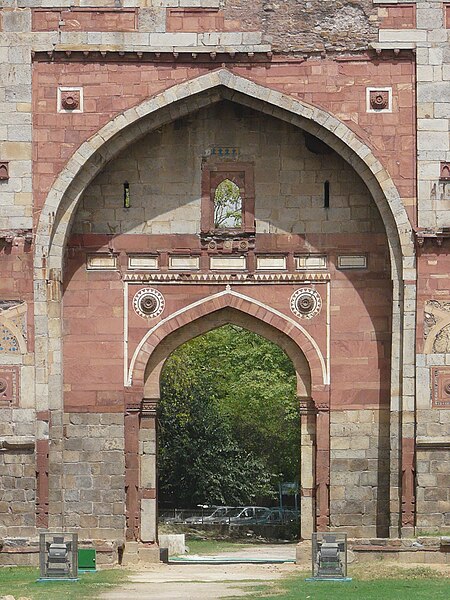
(206, 582)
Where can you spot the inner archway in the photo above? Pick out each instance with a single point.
(229, 430)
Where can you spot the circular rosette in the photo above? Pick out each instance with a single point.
(306, 303)
(148, 303)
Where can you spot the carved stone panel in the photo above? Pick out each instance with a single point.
(436, 329)
(440, 387)
(9, 386)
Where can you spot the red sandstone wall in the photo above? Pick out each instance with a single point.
(398, 16)
(84, 19)
(433, 281)
(337, 86)
(360, 317)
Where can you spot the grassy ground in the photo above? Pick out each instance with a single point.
(21, 582)
(212, 546)
(384, 584)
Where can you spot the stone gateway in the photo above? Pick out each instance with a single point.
(167, 167)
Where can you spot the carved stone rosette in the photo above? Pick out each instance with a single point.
(306, 303)
(148, 303)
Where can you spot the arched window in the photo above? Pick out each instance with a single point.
(228, 199)
(227, 206)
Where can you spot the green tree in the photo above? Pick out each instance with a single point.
(199, 460)
(229, 399)
(227, 205)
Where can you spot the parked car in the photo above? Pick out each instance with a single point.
(215, 517)
(247, 515)
(284, 515)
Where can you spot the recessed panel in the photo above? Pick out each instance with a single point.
(352, 262)
(271, 263)
(101, 262)
(228, 263)
(311, 262)
(184, 263)
(143, 262)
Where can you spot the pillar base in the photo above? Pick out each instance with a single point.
(303, 553)
(136, 552)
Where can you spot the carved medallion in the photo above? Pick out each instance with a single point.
(148, 303)
(306, 303)
(379, 99)
(70, 100)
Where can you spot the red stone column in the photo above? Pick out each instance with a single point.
(42, 470)
(408, 483)
(322, 403)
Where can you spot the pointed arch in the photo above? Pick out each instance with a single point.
(240, 302)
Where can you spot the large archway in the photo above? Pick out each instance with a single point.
(62, 202)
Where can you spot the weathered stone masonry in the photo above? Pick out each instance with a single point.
(283, 96)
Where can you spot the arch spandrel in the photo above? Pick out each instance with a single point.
(293, 338)
(62, 201)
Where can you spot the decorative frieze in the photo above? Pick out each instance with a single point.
(221, 278)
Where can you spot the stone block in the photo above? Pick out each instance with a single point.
(148, 514)
(149, 555)
(175, 543)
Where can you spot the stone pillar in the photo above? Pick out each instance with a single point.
(147, 481)
(408, 420)
(307, 469)
(132, 470)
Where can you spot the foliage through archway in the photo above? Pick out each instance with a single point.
(228, 421)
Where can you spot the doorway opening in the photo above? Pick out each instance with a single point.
(229, 437)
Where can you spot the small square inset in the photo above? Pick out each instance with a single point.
(440, 387)
(70, 100)
(9, 386)
(379, 99)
